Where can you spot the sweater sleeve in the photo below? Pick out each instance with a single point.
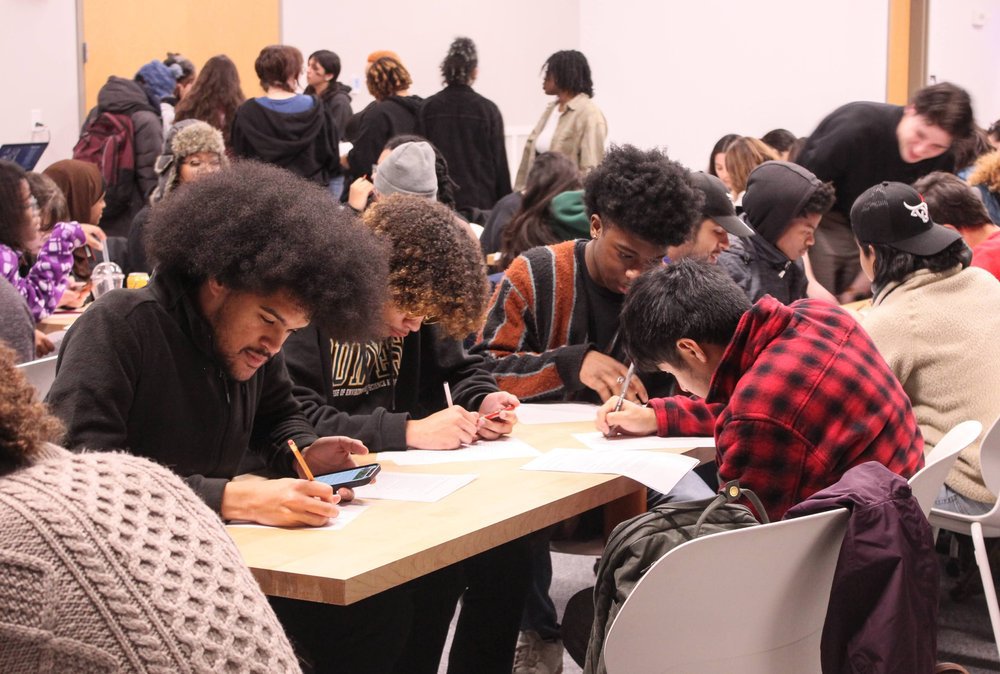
(514, 351)
(46, 281)
(685, 417)
(466, 374)
(380, 430)
(278, 418)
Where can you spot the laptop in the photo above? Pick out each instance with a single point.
(26, 155)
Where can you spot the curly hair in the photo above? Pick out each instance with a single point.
(570, 72)
(25, 424)
(744, 155)
(460, 62)
(645, 193)
(820, 201)
(435, 269)
(259, 228)
(386, 77)
(551, 174)
(14, 220)
(214, 96)
(276, 65)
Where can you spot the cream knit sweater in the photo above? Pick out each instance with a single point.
(940, 334)
(109, 563)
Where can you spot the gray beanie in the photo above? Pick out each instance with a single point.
(409, 169)
(184, 139)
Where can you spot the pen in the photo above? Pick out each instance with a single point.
(300, 459)
(613, 430)
(495, 415)
(447, 395)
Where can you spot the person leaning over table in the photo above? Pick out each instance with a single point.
(389, 393)
(189, 372)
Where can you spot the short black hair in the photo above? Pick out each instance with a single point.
(570, 72)
(951, 201)
(460, 62)
(820, 201)
(946, 106)
(780, 139)
(687, 298)
(893, 265)
(259, 228)
(645, 193)
(329, 61)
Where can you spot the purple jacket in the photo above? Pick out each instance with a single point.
(883, 607)
(47, 279)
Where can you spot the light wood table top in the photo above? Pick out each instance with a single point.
(60, 320)
(395, 541)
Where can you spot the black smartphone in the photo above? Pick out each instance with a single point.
(352, 477)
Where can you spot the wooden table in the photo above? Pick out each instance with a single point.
(60, 320)
(395, 541)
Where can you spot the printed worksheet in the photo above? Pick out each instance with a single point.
(482, 450)
(596, 440)
(656, 470)
(422, 487)
(348, 513)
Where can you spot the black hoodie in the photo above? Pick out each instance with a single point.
(394, 116)
(305, 143)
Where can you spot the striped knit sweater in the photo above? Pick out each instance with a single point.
(535, 336)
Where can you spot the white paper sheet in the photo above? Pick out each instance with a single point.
(654, 469)
(596, 440)
(556, 413)
(348, 513)
(483, 450)
(422, 487)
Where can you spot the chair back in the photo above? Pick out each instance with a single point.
(40, 373)
(989, 456)
(751, 600)
(927, 482)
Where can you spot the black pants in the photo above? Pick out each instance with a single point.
(404, 629)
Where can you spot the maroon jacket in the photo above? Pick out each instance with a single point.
(883, 607)
(800, 396)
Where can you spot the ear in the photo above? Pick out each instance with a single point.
(215, 289)
(691, 351)
(595, 226)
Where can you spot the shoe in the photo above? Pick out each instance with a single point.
(534, 655)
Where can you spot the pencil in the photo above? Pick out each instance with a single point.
(300, 459)
(447, 395)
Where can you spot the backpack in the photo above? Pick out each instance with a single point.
(107, 141)
(636, 544)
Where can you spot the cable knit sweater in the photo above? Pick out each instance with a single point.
(109, 563)
(938, 333)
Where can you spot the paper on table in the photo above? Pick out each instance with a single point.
(654, 469)
(348, 513)
(423, 487)
(484, 450)
(596, 440)
(556, 413)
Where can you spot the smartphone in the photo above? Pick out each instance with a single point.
(352, 477)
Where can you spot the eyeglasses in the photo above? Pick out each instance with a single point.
(199, 165)
(32, 204)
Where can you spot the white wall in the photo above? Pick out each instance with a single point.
(683, 74)
(966, 54)
(38, 47)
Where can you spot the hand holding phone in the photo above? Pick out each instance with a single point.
(352, 477)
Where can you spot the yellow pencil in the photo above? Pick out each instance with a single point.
(300, 459)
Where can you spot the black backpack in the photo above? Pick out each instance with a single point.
(634, 546)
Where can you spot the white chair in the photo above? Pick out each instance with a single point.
(752, 600)
(981, 526)
(40, 373)
(927, 482)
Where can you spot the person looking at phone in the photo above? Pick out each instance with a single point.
(389, 393)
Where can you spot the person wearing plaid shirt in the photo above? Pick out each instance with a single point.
(799, 393)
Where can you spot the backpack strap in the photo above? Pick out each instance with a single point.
(729, 493)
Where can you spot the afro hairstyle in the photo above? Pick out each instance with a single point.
(645, 193)
(435, 268)
(259, 228)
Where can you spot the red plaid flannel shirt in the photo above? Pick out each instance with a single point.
(800, 396)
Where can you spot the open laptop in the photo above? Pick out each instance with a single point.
(26, 155)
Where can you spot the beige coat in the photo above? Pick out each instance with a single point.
(939, 334)
(580, 135)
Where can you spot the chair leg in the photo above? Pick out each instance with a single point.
(982, 560)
